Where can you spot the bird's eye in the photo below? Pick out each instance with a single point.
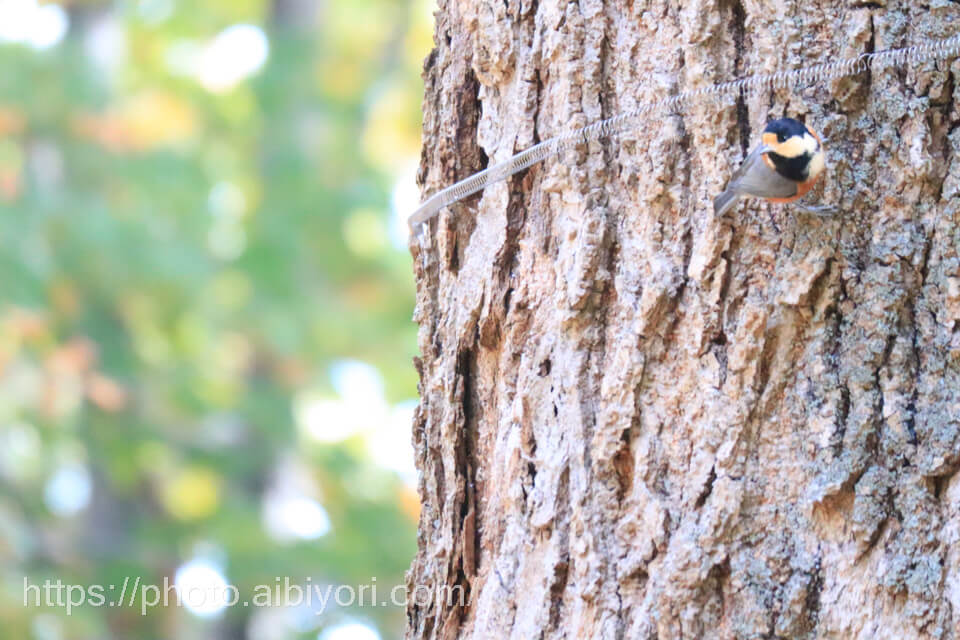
(781, 137)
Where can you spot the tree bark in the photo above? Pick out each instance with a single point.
(641, 421)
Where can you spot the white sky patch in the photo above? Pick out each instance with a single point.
(202, 588)
(349, 631)
(105, 42)
(220, 64)
(360, 409)
(69, 489)
(357, 382)
(358, 406)
(28, 22)
(290, 517)
(235, 54)
(291, 504)
(404, 201)
(389, 444)
(326, 420)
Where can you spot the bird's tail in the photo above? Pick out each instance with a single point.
(724, 202)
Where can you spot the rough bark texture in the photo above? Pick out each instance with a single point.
(639, 421)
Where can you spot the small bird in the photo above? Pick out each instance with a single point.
(782, 168)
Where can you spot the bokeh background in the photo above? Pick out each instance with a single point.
(205, 307)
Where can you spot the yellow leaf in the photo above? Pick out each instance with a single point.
(146, 121)
(192, 493)
(156, 118)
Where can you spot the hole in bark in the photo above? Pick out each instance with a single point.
(739, 22)
(719, 575)
(623, 464)
(707, 490)
(455, 256)
(545, 368)
(812, 602)
(821, 285)
(719, 349)
(939, 483)
(910, 421)
(484, 160)
(560, 573)
(843, 412)
(464, 371)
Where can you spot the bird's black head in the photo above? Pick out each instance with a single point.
(793, 149)
(781, 130)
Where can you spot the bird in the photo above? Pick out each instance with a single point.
(782, 168)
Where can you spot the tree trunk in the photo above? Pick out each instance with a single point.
(641, 421)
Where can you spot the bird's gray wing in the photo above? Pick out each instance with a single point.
(755, 178)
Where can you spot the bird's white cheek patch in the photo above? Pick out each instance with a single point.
(816, 164)
(796, 146)
(792, 148)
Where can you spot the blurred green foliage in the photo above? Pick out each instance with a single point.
(187, 260)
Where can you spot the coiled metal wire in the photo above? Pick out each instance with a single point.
(724, 92)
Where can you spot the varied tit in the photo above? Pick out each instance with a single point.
(782, 168)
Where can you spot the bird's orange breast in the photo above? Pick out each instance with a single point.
(802, 189)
